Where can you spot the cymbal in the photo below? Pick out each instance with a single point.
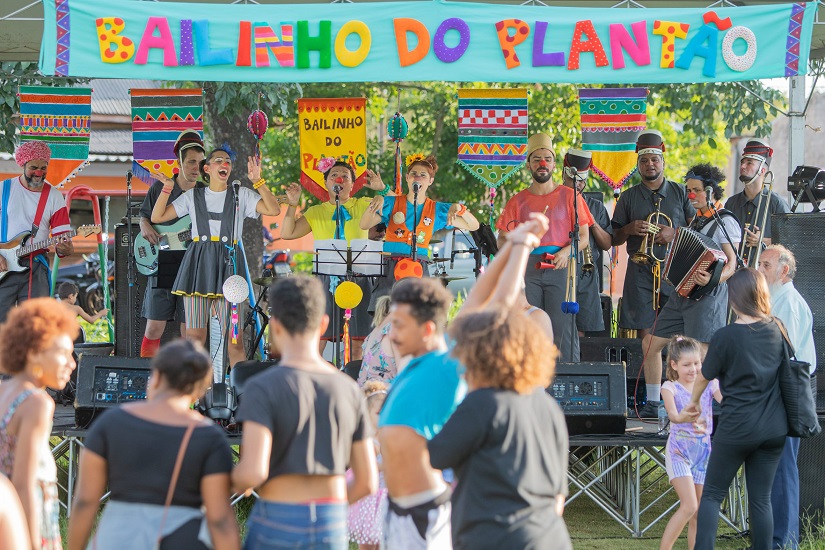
(436, 241)
(264, 281)
(449, 279)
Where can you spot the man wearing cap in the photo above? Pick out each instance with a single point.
(547, 270)
(29, 203)
(630, 226)
(589, 286)
(756, 160)
(159, 304)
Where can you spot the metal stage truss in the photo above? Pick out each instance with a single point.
(624, 475)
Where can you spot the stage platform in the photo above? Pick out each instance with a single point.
(623, 474)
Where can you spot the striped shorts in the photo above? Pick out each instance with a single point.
(199, 309)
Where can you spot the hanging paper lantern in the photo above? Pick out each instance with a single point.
(397, 127)
(408, 268)
(257, 124)
(348, 295)
(235, 289)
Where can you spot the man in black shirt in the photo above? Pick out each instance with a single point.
(159, 304)
(753, 169)
(630, 225)
(589, 285)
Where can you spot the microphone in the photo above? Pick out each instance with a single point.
(452, 252)
(129, 177)
(416, 187)
(336, 189)
(709, 193)
(236, 184)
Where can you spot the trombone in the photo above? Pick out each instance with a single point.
(646, 255)
(750, 254)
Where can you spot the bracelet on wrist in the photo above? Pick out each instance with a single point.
(384, 191)
(258, 183)
(462, 209)
(166, 191)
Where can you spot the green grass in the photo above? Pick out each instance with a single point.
(97, 332)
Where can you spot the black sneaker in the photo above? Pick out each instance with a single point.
(649, 411)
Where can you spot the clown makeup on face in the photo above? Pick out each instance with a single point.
(35, 172)
(219, 166)
(696, 193)
(420, 174)
(339, 175)
(542, 164)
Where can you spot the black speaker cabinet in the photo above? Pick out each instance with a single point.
(812, 478)
(123, 338)
(802, 235)
(593, 397)
(104, 382)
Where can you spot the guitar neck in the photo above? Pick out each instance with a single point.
(33, 247)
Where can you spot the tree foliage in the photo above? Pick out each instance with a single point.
(12, 76)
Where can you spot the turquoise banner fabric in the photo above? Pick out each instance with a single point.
(422, 41)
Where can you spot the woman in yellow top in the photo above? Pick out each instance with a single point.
(322, 221)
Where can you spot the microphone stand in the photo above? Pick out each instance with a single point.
(414, 243)
(130, 275)
(573, 267)
(335, 309)
(740, 263)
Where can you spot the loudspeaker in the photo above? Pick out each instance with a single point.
(104, 382)
(123, 339)
(812, 478)
(593, 397)
(802, 235)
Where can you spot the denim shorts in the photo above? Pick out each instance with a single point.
(312, 526)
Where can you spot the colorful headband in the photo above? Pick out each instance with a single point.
(417, 157)
(324, 164)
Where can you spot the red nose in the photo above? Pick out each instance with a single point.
(38, 173)
(339, 179)
(691, 195)
(542, 164)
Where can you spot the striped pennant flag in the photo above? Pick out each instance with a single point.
(158, 118)
(62, 118)
(492, 133)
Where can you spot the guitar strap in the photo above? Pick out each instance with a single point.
(4, 208)
(38, 216)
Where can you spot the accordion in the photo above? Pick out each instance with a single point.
(690, 252)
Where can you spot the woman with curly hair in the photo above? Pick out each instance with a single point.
(36, 345)
(508, 431)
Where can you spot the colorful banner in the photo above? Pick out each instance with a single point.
(158, 118)
(611, 121)
(62, 118)
(332, 128)
(429, 41)
(492, 133)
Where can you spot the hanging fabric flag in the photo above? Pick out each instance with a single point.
(60, 117)
(492, 133)
(158, 118)
(611, 121)
(334, 128)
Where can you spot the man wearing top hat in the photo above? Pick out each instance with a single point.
(547, 270)
(575, 173)
(159, 304)
(630, 226)
(755, 163)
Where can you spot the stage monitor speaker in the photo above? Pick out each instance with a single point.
(593, 397)
(123, 339)
(104, 382)
(802, 235)
(812, 478)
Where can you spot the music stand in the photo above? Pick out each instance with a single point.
(168, 265)
(335, 259)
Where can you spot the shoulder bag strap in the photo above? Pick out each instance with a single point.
(174, 481)
(781, 325)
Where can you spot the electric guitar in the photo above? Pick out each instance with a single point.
(172, 237)
(17, 250)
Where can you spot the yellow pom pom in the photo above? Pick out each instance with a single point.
(348, 295)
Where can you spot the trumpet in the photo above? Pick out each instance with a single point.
(750, 254)
(646, 255)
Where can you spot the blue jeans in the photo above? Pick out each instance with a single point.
(785, 498)
(309, 526)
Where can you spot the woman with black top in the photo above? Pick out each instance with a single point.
(746, 357)
(133, 450)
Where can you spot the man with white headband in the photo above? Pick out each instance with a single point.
(630, 225)
(754, 166)
(29, 203)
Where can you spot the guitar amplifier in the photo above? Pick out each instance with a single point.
(593, 397)
(104, 382)
(123, 339)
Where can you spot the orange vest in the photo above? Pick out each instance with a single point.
(399, 233)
